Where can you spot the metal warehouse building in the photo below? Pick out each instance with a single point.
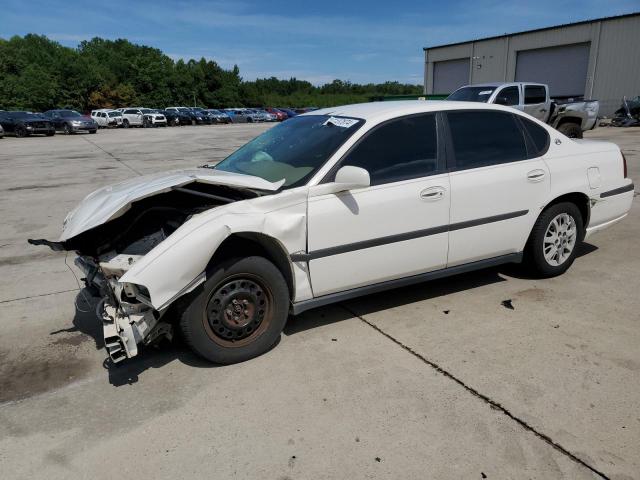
(595, 59)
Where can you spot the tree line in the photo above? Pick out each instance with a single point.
(38, 74)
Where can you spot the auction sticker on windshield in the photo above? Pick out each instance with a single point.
(341, 122)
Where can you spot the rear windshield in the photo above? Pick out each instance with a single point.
(472, 94)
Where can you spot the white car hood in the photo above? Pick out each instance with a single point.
(112, 201)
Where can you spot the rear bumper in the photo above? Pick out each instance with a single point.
(609, 208)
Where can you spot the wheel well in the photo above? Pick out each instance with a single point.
(575, 120)
(580, 200)
(246, 244)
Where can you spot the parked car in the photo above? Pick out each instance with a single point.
(196, 119)
(569, 117)
(280, 115)
(238, 115)
(23, 124)
(203, 114)
(219, 116)
(331, 205)
(107, 118)
(71, 121)
(265, 116)
(290, 113)
(176, 118)
(153, 118)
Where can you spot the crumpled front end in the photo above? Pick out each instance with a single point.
(127, 317)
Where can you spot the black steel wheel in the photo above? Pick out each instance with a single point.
(238, 313)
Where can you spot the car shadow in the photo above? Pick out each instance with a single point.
(129, 371)
(415, 293)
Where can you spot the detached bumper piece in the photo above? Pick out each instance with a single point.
(127, 322)
(124, 331)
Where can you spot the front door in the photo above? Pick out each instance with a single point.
(395, 228)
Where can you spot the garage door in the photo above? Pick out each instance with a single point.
(563, 68)
(450, 75)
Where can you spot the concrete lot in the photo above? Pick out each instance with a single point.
(435, 381)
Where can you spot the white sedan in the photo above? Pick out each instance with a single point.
(334, 204)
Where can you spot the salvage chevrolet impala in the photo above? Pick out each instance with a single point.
(333, 204)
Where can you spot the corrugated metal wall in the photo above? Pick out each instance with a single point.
(613, 66)
(563, 68)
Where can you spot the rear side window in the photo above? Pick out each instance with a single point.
(534, 94)
(485, 138)
(401, 149)
(538, 135)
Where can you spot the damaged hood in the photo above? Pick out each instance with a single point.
(110, 202)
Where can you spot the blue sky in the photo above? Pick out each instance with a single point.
(361, 41)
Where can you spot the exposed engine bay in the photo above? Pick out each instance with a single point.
(108, 251)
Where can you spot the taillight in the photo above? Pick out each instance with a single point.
(624, 165)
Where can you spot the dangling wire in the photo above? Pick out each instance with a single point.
(80, 288)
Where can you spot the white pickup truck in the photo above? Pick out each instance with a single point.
(568, 117)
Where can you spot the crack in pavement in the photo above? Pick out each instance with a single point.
(492, 403)
(112, 156)
(39, 295)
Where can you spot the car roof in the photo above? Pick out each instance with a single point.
(384, 110)
(501, 84)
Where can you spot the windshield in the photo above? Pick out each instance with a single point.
(146, 110)
(68, 113)
(20, 115)
(183, 109)
(293, 150)
(114, 114)
(472, 94)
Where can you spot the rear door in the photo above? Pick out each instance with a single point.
(536, 101)
(396, 227)
(499, 181)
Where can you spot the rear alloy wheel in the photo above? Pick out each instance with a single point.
(571, 130)
(238, 313)
(554, 240)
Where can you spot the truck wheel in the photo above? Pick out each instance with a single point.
(238, 313)
(571, 130)
(553, 242)
(125, 123)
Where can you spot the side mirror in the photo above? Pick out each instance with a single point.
(347, 178)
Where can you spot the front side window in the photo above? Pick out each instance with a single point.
(534, 94)
(485, 138)
(398, 150)
(293, 150)
(508, 96)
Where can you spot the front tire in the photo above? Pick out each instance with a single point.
(554, 240)
(571, 130)
(238, 313)
(125, 123)
(66, 129)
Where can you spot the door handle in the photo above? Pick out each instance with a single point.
(432, 194)
(536, 175)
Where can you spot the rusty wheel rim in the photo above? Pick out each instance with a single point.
(238, 311)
